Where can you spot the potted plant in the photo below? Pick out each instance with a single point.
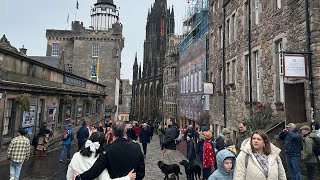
(68, 99)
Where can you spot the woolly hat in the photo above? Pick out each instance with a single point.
(225, 131)
(208, 135)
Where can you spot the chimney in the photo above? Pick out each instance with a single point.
(23, 50)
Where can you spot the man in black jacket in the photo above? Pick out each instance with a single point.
(169, 145)
(119, 158)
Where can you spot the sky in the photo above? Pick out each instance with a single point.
(25, 23)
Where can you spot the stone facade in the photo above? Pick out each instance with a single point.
(275, 27)
(171, 78)
(48, 88)
(147, 84)
(94, 53)
(125, 100)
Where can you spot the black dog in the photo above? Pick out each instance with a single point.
(191, 170)
(169, 169)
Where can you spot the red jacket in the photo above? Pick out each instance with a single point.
(208, 154)
(137, 130)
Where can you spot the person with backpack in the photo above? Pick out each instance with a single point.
(82, 135)
(220, 141)
(316, 133)
(169, 145)
(308, 154)
(67, 137)
(293, 147)
(259, 160)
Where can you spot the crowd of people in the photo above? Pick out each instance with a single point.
(113, 151)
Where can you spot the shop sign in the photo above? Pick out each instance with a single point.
(295, 66)
(74, 81)
(28, 117)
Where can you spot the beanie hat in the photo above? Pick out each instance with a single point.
(208, 135)
(225, 131)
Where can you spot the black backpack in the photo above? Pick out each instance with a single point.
(316, 145)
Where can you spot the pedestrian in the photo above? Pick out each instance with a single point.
(137, 130)
(244, 133)
(119, 158)
(220, 141)
(259, 160)
(293, 147)
(144, 138)
(225, 162)
(204, 129)
(197, 139)
(131, 134)
(18, 152)
(208, 156)
(169, 145)
(109, 136)
(151, 126)
(161, 132)
(89, 153)
(315, 131)
(82, 135)
(229, 144)
(307, 154)
(67, 138)
(191, 152)
(42, 140)
(190, 131)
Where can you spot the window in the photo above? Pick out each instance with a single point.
(55, 49)
(228, 73)
(187, 84)
(93, 69)
(279, 48)
(69, 68)
(228, 40)
(95, 50)
(191, 82)
(200, 81)
(234, 27)
(257, 69)
(195, 82)
(279, 4)
(256, 11)
(8, 120)
(221, 37)
(234, 72)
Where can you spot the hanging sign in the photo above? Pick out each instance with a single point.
(295, 66)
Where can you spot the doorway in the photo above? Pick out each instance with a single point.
(295, 107)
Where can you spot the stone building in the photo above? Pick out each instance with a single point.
(259, 47)
(147, 84)
(193, 53)
(171, 78)
(125, 100)
(54, 96)
(93, 53)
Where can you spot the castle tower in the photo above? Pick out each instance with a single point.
(104, 14)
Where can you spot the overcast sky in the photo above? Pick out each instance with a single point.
(25, 22)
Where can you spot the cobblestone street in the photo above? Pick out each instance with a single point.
(49, 168)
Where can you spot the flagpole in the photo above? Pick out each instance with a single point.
(77, 7)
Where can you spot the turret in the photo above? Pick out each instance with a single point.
(104, 14)
(135, 68)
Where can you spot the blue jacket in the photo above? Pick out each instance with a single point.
(221, 173)
(293, 142)
(68, 141)
(144, 135)
(82, 134)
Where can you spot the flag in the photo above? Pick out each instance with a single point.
(77, 6)
(98, 67)
(68, 19)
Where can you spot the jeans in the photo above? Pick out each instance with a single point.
(293, 163)
(15, 169)
(68, 147)
(206, 172)
(310, 170)
(144, 147)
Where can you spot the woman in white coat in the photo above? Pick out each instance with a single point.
(259, 159)
(84, 160)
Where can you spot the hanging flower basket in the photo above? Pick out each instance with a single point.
(88, 101)
(67, 99)
(23, 101)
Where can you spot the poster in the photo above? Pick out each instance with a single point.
(79, 114)
(68, 113)
(28, 117)
(51, 118)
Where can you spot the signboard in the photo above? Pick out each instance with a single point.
(295, 66)
(74, 81)
(207, 88)
(28, 117)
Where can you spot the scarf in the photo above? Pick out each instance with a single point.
(263, 161)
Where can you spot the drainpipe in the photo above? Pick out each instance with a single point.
(308, 42)
(224, 64)
(249, 47)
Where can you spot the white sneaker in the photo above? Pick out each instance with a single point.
(11, 178)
